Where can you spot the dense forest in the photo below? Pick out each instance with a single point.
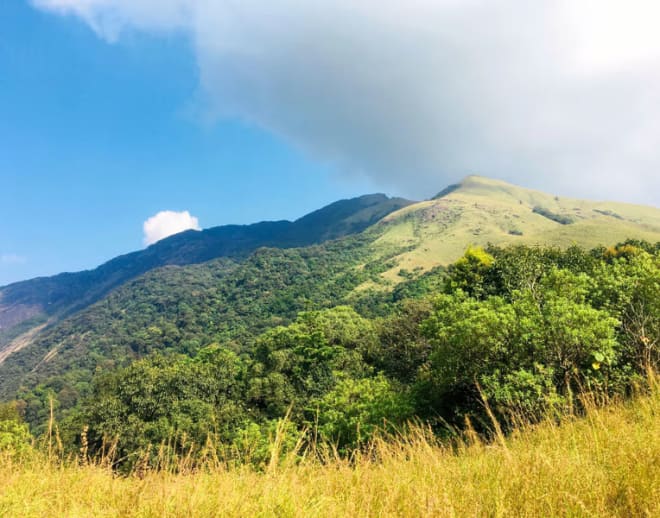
(272, 342)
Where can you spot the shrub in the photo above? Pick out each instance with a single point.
(562, 219)
(15, 437)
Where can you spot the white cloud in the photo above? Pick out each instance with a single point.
(167, 223)
(12, 259)
(557, 94)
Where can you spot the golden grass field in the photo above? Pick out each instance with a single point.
(606, 463)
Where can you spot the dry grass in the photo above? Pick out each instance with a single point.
(604, 464)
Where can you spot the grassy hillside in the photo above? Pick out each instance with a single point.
(479, 211)
(605, 464)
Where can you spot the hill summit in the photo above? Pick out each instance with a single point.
(479, 211)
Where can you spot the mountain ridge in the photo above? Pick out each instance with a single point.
(67, 292)
(371, 246)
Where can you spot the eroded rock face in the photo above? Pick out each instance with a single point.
(11, 346)
(13, 314)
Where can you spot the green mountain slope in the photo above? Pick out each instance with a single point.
(232, 300)
(180, 309)
(38, 300)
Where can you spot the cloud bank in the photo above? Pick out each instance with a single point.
(167, 223)
(558, 94)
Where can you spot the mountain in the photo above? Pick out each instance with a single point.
(479, 211)
(223, 286)
(37, 300)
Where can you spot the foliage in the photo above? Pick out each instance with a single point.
(558, 218)
(15, 437)
(181, 310)
(401, 349)
(470, 271)
(166, 400)
(352, 412)
(282, 345)
(304, 360)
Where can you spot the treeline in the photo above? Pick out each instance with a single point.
(518, 332)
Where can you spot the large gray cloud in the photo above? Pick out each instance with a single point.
(559, 94)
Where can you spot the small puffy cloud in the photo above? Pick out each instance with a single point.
(167, 223)
(12, 259)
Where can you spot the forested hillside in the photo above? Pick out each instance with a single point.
(366, 332)
(35, 301)
(181, 309)
(527, 329)
(401, 240)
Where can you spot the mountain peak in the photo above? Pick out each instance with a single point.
(476, 184)
(481, 211)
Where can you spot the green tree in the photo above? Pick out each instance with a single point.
(351, 413)
(174, 400)
(302, 360)
(472, 273)
(627, 285)
(513, 348)
(401, 349)
(469, 338)
(15, 437)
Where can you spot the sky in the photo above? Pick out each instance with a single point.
(122, 121)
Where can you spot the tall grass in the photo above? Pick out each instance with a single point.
(605, 463)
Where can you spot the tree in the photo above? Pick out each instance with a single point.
(15, 437)
(513, 349)
(302, 360)
(627, 285)
(174, 400)
(469, 338)
(351, 413)
(401, 349)
(471, 273)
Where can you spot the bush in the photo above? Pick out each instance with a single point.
(15, 437)
(557, 218)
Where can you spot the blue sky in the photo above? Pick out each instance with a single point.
(112, 111)
(97, 137)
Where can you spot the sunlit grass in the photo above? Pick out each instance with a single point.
(606, 463)
(485, 211)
